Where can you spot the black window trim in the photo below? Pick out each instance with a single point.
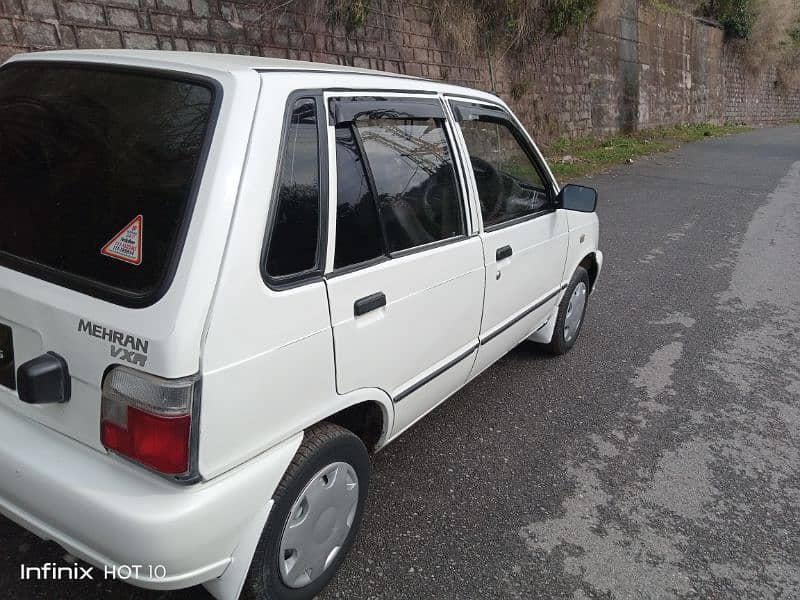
(364, 264)
(497, 113)
(529, 216)
(90, 287)
(429, 246)
(373, 189)
(460, 182)
(348, 109)
(315, 274)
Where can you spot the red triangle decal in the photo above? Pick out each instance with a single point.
(127, 244)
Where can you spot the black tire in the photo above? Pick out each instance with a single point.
(559, 345)
(323, 444)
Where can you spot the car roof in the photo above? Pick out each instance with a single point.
(233, 63)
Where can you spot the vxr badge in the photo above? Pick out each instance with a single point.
(136, 358)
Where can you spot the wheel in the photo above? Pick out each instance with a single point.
(314, 519)
(570, 313)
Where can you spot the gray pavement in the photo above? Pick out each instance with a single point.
(659, 459)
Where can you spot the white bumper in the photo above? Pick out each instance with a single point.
(108, 512)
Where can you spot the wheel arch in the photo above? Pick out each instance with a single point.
(366, 412)
(367, 419)
(591, 263)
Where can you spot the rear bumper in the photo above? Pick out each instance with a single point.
(110, 513)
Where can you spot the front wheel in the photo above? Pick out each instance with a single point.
(570, 313)
(315, 517)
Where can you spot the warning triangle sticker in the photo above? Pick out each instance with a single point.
(127, 244)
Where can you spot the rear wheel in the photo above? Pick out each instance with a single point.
(570, 313)
(315, 517)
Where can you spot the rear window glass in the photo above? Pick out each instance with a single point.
(358, 232)
(98, 173)
(415, 182)
(295, 234)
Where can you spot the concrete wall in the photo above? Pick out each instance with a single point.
(633, 68)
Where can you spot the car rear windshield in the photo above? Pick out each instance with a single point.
(98, 171)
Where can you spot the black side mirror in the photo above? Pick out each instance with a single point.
(577, 197)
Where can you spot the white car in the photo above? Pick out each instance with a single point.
(225, 280)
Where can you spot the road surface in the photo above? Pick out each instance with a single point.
(659, 459)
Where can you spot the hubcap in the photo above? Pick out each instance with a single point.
(318, 524)
(577, 303)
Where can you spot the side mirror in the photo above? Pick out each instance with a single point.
(577, 197)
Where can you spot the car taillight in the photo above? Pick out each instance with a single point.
(149, 419)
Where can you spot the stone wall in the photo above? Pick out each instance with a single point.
(633, 68)
(755, 98)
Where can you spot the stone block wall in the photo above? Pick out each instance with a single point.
(633, 68)
(755, 97)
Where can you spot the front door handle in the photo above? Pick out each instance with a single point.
(504, 252)
(369, 303)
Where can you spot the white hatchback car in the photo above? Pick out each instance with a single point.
(224, 280)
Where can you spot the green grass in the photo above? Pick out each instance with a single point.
(590, 154)
(665, 6)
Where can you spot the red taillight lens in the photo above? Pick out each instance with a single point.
(161, 443)
(149, 419)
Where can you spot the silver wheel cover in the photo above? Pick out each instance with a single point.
(318, 524)
(575, 310)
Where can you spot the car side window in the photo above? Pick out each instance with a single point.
(417, 194)
(294, 240)
(509, 183)
(358, 233)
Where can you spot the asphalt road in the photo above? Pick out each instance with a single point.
(659, 459)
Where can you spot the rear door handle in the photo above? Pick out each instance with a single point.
(369, 303)
(503, 252)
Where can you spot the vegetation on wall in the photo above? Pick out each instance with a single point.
(352, 14)
(497, 26)
(766, 32)
(794, 31)
(508, 26)
(736, 16)
(771, 44)
(565, 14)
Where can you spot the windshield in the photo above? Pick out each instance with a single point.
(99, 168)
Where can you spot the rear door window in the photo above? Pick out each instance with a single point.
(397, 184)
(358, 233)
(99, 169)
(415, 181)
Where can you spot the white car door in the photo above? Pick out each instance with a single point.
(406, 277)
(525, 239)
